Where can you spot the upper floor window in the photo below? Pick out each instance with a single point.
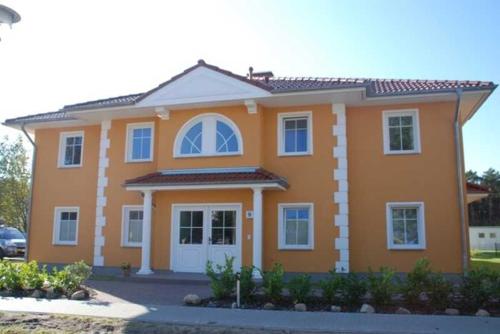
(139, 142)
(206, 135)
(70, 149)
(66, 225)
(405, 225)
(295, 133)
(401, 132)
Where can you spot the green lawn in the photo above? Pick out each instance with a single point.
(485, 258)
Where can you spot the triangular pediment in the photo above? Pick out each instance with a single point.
(202, 85)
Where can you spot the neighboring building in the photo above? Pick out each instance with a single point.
(484, 237)
(314, 173)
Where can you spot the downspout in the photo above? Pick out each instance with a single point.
(33, 161)
(460, 181)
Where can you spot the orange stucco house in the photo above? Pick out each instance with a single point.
(314, 173)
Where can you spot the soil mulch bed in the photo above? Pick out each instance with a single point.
(317, 304)
(21, 323)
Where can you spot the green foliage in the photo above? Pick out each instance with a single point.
(330, 287)
(300, 288)
(438, 290)
(70, 278)
(32, 277)
(381, 285)
(417, 281)
(222, 278)
(14, 183)
(273, 282)
(247, 283)
(352, 289)
(478, 286)
(10, 276)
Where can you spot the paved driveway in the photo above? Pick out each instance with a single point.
(146, 293)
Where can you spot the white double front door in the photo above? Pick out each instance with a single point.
(202, 233)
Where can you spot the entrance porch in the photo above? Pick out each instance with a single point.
(202, 232)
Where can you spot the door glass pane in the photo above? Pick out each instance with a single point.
(197, 235)
(184, 235)
(223, 227)
(186, 218)
(191, 227)
(217, 236)
(230, 236)
(198, 219)
(217, 218)
(229, 218)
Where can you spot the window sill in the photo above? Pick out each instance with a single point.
(402, 152)
(137, 161)
(300, 154)
(131, 245)
(58, 243)
(69, 166)
(207, 155)
(293, 248)
(407, 248)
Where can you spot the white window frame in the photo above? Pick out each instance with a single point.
(281, 226)
(129, 141)
(208, 147)
(414, 113)
(125, 224)
(420, 221)
(62, 148)
(56, 226)
(281, 140)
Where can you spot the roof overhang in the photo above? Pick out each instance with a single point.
(204, 186)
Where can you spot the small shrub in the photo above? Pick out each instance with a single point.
(478, 286)
(330, 287)
(417, 281)
(247, 283)
(32, 277)
(273, 282)
(222, 278)
(10, 276)
(300, 288)
(352, 289)
(381, 286)
(70, 278)
(439, 290)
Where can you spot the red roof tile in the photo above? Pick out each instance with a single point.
(477, 188)
(178, 178)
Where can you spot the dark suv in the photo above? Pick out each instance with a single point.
(12, 242)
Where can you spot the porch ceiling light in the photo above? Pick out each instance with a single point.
(8, 16)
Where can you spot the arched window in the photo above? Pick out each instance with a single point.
(206, 135)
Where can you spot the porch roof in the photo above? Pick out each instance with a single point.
(208, 178)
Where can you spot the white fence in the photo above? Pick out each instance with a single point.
(484, 237)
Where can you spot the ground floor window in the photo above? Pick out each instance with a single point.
(405, 225)
(132, 225)
(295, 226)
(66, 225)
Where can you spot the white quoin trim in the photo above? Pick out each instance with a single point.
(257, 231)
(102, 182)
(146, 234)
(251, 106)
(341, 196)
(162, 113)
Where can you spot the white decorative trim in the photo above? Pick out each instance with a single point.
(251, 106)
(341, 196)
(101, 200)
(162, 113)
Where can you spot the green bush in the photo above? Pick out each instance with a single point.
(32, 277)
(247, 283)
(330, 287)
(273, 282)
(10, 276)
(222, 278)
(417, 281)
(352, 289)
(438, 289)
(478, 286)
(381, 286)
(300, 288)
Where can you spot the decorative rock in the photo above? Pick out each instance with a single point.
(192, 299)
(234, 305)
(211, 304)
(423, 297)
(336, 308)
(451, 311)
(402, 310)
(46, 285)
(300, 307)
(268, 306)
(37, 294)
(482, 313)
(79, 295)
(366, 308)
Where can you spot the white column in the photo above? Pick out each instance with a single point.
(146, 234)
(257, 230)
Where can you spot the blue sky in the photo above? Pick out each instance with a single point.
(65, 52)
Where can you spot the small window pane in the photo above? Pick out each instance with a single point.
(217, 218)
(493, 235)
(407, 134)
(302, 124)
(185, 235)
(197, 236)
(224, 135)
(406, 120)
(290, 124)
(198, 219)
(395, 139)
(295, 135)
(302, 140)
(185, 219)
(229, 236)
(290, 141)
(135, 231)
(217, 236)
(191, 143)
(302, 233)
(291, 232)
(481, 235)
(229, 218)
(394, 121)
(398, 232)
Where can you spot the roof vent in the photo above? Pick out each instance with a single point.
(260, 75)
